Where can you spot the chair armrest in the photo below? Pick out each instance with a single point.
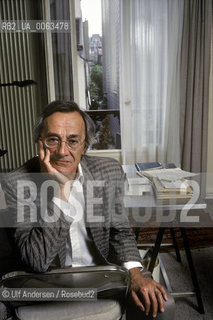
(108, 281)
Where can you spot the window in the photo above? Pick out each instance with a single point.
(101, 69)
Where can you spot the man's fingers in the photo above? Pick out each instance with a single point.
(150, 293)
(153, 300)
(137, 301)
(146, 300)
(44, 157)
(44, 154)
(163, 291)
(41, 151)
(154, 303)
(47, 157)
(159, 299)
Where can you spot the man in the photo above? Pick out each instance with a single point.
(76, 228)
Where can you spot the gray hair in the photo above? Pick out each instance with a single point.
(65, 107)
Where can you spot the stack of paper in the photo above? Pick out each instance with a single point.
(170, 185)
(172, 174)
(175, 192)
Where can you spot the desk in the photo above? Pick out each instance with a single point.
(148, 200)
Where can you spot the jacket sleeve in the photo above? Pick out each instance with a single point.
(39, 236)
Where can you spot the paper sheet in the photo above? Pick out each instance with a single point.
(178, 184)
(138, 181)
(137, 190)
(169, 174)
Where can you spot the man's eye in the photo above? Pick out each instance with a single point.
(52, 140)
(72, 142)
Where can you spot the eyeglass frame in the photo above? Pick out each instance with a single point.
(60, 141)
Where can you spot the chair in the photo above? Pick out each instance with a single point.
(100, 310)
(111, 283)
(105, 278)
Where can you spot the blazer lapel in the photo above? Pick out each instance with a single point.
(94, 213)
(93, 188)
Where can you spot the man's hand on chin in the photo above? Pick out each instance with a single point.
(65, 182)
(147, 293)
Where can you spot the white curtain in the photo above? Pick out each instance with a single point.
(149, 79)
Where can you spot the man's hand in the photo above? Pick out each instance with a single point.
(146, 293)
(46, 167)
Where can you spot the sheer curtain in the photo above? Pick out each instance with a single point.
(149, 79)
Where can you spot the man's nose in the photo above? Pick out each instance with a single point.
(62, 149)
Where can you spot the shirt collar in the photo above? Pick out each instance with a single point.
(80, 176)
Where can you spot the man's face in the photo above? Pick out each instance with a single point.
(64, 127)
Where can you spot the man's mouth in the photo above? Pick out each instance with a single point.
(61, 162)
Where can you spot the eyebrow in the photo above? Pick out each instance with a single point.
(50, 134)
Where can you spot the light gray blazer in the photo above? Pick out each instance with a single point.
(42, 244)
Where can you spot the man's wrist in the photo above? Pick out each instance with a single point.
(135, 270)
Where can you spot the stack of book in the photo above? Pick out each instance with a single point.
(175, 192)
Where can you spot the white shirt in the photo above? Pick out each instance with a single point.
(83, 249)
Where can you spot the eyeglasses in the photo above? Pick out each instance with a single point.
(55, 142)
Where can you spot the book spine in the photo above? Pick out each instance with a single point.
(137, 167)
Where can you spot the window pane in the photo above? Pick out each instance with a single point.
(101, 69)
(62, 56)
